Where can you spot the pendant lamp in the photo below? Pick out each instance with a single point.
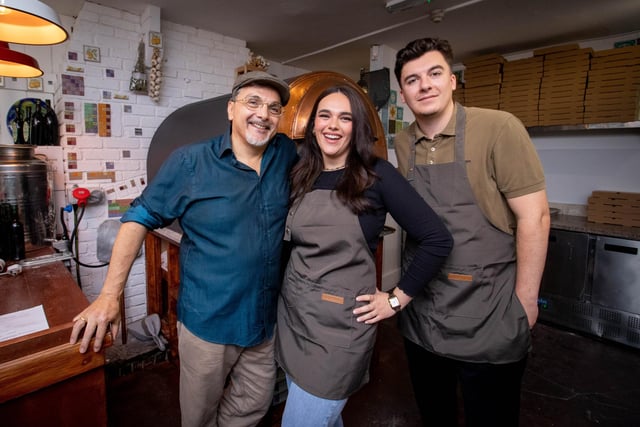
(30, 22)
(17, 64)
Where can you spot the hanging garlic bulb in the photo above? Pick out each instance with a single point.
(155, 75)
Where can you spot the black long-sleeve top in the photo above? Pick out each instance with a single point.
(392, 193)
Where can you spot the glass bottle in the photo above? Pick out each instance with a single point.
(17, 236)
(6, 249)
(26, 125)
(36, 126)
(18, 134)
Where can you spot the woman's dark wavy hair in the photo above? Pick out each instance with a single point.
(358, 174)
(416, 48)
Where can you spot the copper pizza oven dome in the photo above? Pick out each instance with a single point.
(304, 92)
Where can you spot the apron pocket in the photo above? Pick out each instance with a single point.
(462, 291)
(319, 313)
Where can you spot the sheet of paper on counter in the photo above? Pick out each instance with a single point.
(23, 322)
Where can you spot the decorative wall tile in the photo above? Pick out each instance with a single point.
(72, 85)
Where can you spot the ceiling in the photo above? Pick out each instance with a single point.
(336, 35)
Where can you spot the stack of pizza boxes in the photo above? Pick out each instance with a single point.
(614, 207)
(482, 78)
(520, 91)
(613, 88)
(564, 81)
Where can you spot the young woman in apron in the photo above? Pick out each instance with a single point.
(329, 304)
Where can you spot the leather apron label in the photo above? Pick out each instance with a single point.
(460, 277)
(332, 298)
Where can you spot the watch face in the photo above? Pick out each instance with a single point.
(394, 302)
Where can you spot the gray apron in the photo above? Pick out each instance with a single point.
(470, 312)
(319, 344)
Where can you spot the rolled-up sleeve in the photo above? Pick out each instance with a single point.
(167, 195)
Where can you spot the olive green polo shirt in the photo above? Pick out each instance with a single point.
(502, 162)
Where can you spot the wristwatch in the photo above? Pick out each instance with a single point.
(394, 302)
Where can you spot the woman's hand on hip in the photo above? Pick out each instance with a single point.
(376, 308)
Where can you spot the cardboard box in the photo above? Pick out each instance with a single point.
(616, 196)
(620, 211)
(490, 58)
(615, 63)
(560, 122)
(533, 84)
(566, 78)
(627, 51)
(572, 53)
(523, 115)
(629, 93)
(530, 62)
(614, 207)
(523, 79)
(615, 74)
(559, 113)
(565, 73)
(520, 98)
(582, 61)
(482, 104)
(483, 82)
(613, 86)
(483, 68)
(565, 93)
(556, 49)
(613, 220)
(494, 88)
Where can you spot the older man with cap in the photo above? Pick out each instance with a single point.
(230, 195)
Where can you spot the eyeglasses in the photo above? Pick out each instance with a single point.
(255, 103)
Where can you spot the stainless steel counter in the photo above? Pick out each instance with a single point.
(580, 223)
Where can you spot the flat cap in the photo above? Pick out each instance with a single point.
(265, 79)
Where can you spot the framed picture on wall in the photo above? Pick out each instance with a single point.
(155, 39)
(91, 53)
(35, 84)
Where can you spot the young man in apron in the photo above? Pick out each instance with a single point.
(480, 172)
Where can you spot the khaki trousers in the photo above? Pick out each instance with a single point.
(224, 385)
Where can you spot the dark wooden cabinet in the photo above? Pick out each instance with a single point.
(162, 252)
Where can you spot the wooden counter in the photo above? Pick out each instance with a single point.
(44, 380)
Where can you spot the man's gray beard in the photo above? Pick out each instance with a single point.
(259, 142)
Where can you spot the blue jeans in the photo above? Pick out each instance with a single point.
(306, 410)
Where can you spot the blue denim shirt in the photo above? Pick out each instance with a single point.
(233, 224)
